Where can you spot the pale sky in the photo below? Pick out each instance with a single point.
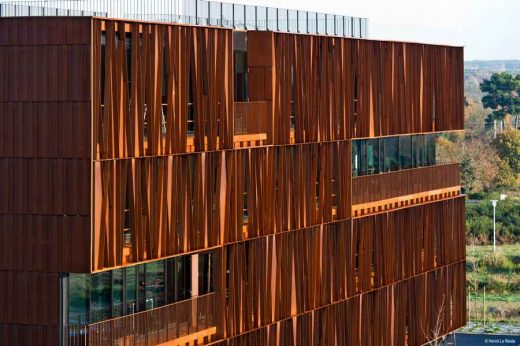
(488, 29)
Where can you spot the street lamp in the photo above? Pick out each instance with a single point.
(494, 203)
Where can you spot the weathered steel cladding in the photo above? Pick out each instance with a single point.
(18, 334)
(159, 61)
(45, 165)
(347, 88)
(196, 201)
(376, 187)
(404, 313)
(77, 152)
(30, 298)
(298, 271)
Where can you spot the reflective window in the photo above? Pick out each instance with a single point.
(405, 152)
(124, 291)
(356, 147)
(205, 273)
(373, 156)
(154, 284)
(418, 151)
(79, 298)
(391, 153)
(387, 154)
(430, 141)
(131, 290)
(100, 297)
(117, 292)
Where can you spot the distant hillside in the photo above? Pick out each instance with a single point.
(493, 65)
(477, 70)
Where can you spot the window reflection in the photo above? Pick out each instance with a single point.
(154, 284)
(387, 154)
(405, 152)
(391, 153)
(117, 293)
(100, 291)
(105, 295)
(79, 298)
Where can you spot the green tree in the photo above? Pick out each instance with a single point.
(467, 174)
(507, 145)
(502, 96)
(505, 178)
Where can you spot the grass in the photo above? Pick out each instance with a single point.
(499, 274)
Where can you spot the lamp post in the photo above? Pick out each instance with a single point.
(494, 203)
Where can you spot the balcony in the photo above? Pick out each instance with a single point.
(386, 191)
(250, 123)
(180, 323)
(250, 127)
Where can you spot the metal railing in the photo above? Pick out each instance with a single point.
(149, 327)
(250, 117)
(198, 12)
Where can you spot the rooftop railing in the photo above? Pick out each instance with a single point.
(197, 12)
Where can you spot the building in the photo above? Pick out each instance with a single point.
(173, 183)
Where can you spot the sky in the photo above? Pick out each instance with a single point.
(488, 29)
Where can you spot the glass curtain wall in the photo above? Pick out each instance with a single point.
(105, 295)
(388, 154)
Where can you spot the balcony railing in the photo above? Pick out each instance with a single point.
(379, 192)
(183, 321)
(199, 12)
(250, 118)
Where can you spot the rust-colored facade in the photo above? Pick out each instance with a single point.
(134, 180)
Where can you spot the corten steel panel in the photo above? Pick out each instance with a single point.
(29, 298)
(278, 217)
(19, 334)
(46, 243)
(45, 166)
(119, 109)
(379, 317)
(347, 88)
(298, 271)
(45, 144)
(196, 201)
(377, 187)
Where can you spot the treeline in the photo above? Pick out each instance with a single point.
(489, 153)
(479, 221)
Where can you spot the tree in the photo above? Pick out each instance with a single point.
(434, 335)
(502, 96)
(507, 145)
(467, 174)
(505, 178)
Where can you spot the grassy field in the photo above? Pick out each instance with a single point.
(499, 276)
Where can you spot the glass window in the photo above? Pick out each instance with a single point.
(154, 285)
(363, 157)
(205, 273)
(170, 280)
(141, 297)
(79, 298)
(430, 141)
(178, 278)
(183, 276)
(405, 152)
(356, 152)
(131, 289)
(391, 153)
(238, 16)
(282, 19)
(372, 156)
(418, 150)
(100, 297)
(117, 292)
